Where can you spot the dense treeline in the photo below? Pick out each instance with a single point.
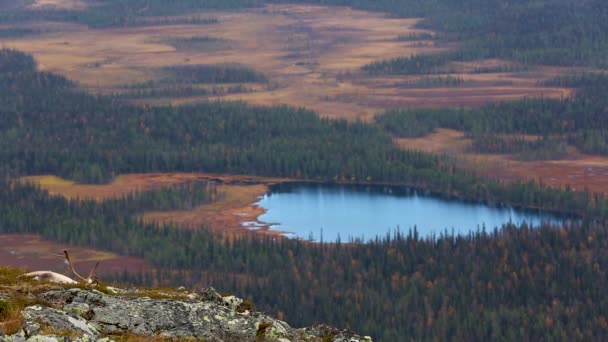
(417, 36)
(197, 43)
(436, 64)
(111, 224)
(12, 62)
(213, 74)
(581, 121)
(512, 283)
(118, 13)
(552, 32)
(155, 90)
(193, 80)
(432, 82)
(413, 65)
(420, 64)
(17, 32)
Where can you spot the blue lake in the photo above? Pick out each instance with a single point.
(305, 210)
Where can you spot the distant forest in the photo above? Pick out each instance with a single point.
(555, 32)
(581, 121)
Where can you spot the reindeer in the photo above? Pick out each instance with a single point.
(50, 276)
(54, 277)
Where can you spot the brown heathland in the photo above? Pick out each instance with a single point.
(233, 204)
(311, 54)
(580, 171)
(37, 254)
(135, 182)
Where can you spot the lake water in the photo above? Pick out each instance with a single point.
(305, 210)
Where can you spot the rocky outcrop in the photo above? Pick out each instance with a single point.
(89, 315)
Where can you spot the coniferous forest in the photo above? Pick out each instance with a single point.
(504, 283)
(580, 121)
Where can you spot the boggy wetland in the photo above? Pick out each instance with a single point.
(311, 56)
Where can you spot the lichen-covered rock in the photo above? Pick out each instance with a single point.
(92, 315)
(78, 309)
(337, 335)
(55, 319)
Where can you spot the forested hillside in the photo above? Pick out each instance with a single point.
(554, 32)
(116, 13)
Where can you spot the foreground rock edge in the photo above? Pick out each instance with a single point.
(78, 314)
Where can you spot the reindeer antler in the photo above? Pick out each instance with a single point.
(93, 274)
(92, 278)
(93, 271)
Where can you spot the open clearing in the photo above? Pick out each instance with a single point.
(233, 205)
(579, 170)
(311, 54)
(37, 254)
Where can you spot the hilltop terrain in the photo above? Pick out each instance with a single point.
(35, 311)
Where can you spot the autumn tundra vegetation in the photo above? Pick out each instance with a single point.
(540, 63)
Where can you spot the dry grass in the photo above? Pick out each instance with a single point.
(121, 186)
(442, 141)
(67, 333)
(130, 337)
(233, 205)
(135, 182)
(18, 294)
(305, 50)
(33, 252)
(580, 171)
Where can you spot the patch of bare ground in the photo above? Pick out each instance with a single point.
(233, 205)
(442, 141)
(577, 170)
(311, 54)
(38, 254)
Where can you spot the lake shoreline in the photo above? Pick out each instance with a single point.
(327, 202)
(224, 216)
